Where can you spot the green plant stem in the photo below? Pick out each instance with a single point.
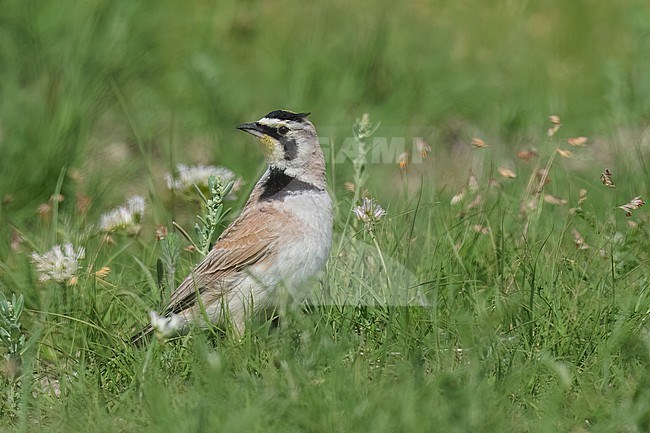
(381, 258)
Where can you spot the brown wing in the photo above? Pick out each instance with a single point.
(248, 240)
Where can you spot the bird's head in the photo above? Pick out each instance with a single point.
(288, 140)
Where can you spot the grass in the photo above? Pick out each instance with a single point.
(485, 316)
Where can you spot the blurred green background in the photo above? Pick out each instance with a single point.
(119, 90)
(526, 332)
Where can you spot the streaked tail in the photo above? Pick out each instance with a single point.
(143, 337)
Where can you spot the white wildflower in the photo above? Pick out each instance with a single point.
(165, 327)
(60, 264)
(127, 217)
(188, 176)
(136, 205)
(369, 212)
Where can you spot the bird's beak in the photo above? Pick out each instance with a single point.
(252, 128)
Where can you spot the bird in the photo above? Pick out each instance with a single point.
(281, 239)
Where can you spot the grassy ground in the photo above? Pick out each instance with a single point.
(530, 304)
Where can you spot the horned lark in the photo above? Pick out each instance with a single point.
(281, 238)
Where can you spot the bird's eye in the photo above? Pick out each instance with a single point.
(283, 130)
